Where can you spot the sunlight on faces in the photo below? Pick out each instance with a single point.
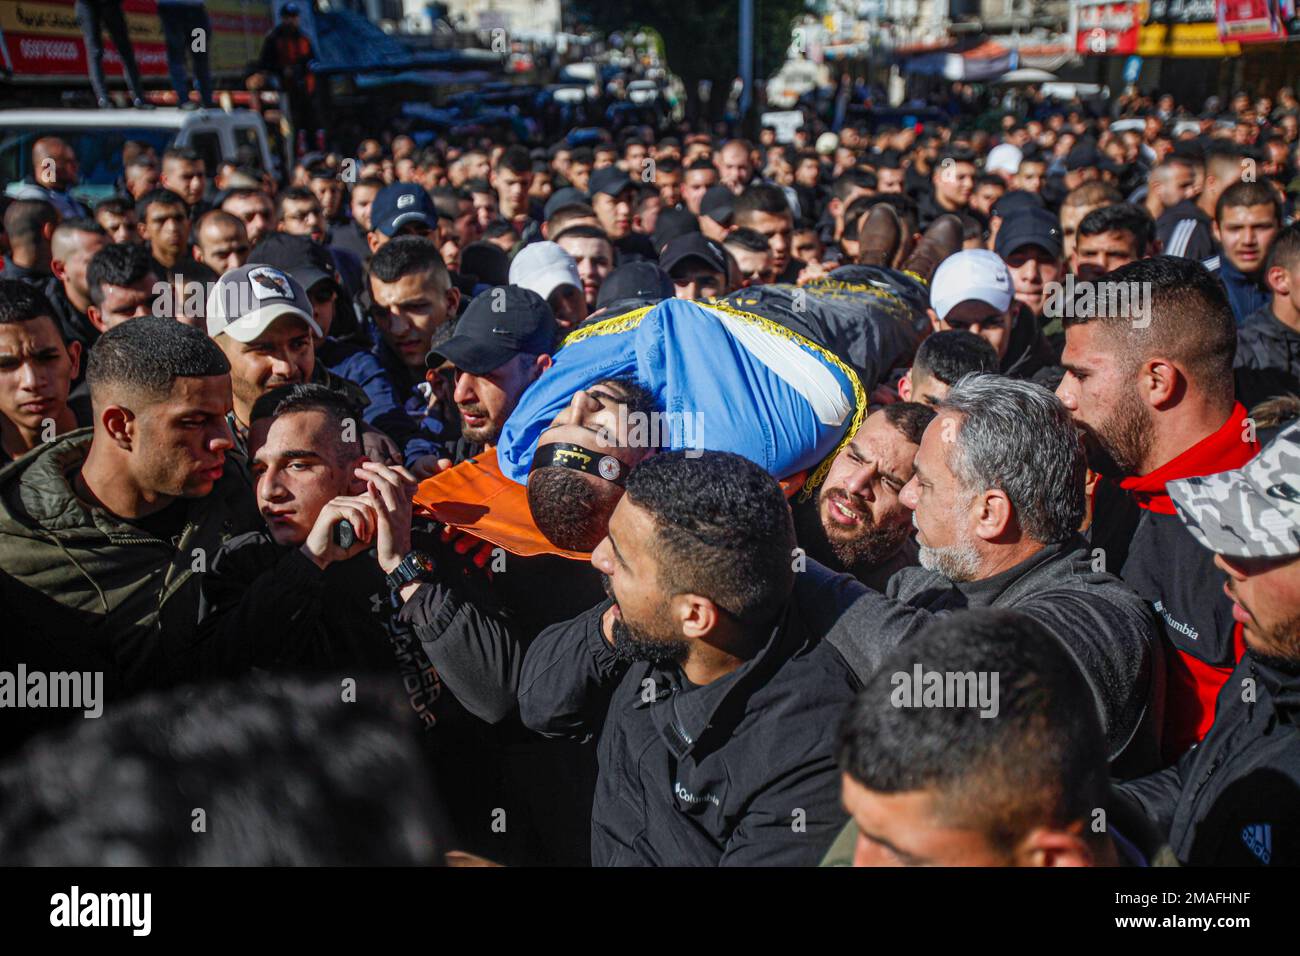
(942, 511)
(513, 188)
(301, 466)
(167, 230)
(1070, 217)
(123, 302)
(698, 282)
(77, 261)
(595, 261)
(627, 562)
(1099, 391)
(615, 212)
(907, 829)
(859, 504)
(255, 211)
(1247, 233)
(120, 228)
(303, 217)
(777, 230)
(176, 445)
(593, 421)
(36, 371)
(980, 318)
(412, 313)
(486, 401)
(1031, 269)
(1266, 596)
(223, 245)
(283, 354)
(1094, 256)
(185, 177)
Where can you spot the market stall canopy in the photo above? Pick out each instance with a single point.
(1023, 77)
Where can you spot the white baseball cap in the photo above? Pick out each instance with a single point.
(543, 267)
(971, 274)
(1003, 158)
(245, 301)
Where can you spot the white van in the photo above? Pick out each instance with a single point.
(98, 136)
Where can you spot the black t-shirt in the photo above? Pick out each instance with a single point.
(167, 524)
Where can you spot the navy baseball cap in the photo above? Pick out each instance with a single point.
(611, 180)
(399, 204)
(499, 324)
(1029, 226)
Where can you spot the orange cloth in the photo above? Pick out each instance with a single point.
(476, 497)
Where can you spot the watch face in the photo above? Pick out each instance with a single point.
(423, 562)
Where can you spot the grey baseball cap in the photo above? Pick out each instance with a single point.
(245, 301)
(1248, 512)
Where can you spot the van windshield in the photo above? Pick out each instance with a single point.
(99, 152)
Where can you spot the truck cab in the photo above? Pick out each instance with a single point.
(97, 136)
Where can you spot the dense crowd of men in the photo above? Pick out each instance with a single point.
(966, 528)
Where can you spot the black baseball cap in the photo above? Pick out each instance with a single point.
(694, 246)
(307, 261)
(1014, 200)
(610, 180)
(565, 196)
(718, 204)
(499, 324)
(642, 282)
(1030, 226)
(671, 224)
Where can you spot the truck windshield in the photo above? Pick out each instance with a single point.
(99, 152)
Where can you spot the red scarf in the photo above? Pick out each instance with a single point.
(1221, 451)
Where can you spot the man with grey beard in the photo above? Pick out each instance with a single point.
(857, 523)
(997, 497)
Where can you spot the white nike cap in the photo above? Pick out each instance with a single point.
(543, 267)
(971, 274)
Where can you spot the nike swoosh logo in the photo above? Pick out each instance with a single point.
(1284, 491)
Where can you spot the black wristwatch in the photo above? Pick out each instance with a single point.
(415, 566)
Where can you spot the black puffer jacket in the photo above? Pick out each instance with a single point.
(1234, 800)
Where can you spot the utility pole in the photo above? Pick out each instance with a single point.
(746, 60)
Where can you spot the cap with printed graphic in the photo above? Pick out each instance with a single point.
(245, 301)
(1248, 512)
(400, 204)
(971, 274)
